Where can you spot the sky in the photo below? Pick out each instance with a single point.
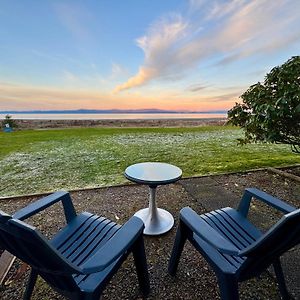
(191, 55)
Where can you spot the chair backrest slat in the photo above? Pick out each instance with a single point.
(284, 235)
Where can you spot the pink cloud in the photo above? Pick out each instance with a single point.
(175, 45)
(159, 46)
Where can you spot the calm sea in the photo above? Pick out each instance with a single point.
(116, 116)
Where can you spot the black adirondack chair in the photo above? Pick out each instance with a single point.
(235, 248)
(82, 257)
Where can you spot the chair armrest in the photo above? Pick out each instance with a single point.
(121, 242)
(264, 197)
(195, 223)
(45, 202)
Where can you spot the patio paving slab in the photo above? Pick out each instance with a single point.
(209, 193)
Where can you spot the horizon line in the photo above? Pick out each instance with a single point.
(108, 111)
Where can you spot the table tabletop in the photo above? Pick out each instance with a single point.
(153, 173)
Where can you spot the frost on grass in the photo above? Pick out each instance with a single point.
(100, 160)
(49, 166)
(224, 136)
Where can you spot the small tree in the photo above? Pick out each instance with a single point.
(270, 111)
(8, 120)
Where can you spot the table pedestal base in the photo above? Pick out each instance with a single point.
(155, 223)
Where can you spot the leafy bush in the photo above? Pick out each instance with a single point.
(270, 111)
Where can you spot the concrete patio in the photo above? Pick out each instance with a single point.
(194, 279)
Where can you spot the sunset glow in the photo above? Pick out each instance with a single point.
(196, 55)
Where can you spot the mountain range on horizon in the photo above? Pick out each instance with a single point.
(111, 111)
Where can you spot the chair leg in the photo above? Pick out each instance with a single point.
(89, 297)
(229, 288)
(30, 284)
(140, 260)
(180, 239)
(280, 279)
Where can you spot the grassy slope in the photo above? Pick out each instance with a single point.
(45, 160)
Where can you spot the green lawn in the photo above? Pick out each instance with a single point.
(35, 161)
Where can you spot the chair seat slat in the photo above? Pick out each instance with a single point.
(82, 230)
(230, 223)
(242, 223)
(83, 244)
(96, 245)
(224, 229)
(91, 251)
(229, 264)
(67, 232)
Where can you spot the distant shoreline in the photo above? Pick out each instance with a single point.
(126, 123)
(113, 116)
(111, 111)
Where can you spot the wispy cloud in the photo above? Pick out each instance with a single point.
(69, 76)
(160, 49)
(258, 24)
(229, 97)
(89, 76)
(196, 87)
(242, 29)
(117, 71)
(18, 97)
(33, 97)
(75, 18)
(44, 55)
(221, 9)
